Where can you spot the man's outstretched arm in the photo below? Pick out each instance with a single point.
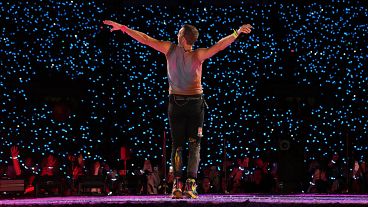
(205, 53)
(161, 46)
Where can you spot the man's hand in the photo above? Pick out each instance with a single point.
(96, 165)
(246, 28)
(76, 172)
(71, 158)
(115, 26)
(14, 152)
(80, 160)
(51, 161)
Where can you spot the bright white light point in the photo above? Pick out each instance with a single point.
(18, 125)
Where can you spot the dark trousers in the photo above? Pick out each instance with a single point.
(186, 115)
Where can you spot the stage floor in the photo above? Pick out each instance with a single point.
(204, 200)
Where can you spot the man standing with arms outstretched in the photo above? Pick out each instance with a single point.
(186, 103)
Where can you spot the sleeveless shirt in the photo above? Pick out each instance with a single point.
(184, 71)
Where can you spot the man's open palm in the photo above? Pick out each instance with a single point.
(115, 26)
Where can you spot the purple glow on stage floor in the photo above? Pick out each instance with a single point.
(204, 199)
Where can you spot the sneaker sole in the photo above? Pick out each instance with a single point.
(177, 195)
(191, 195)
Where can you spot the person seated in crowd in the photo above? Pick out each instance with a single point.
(236, 179)
(49, 166)
(274, 175)
(150, 180)
(16, 166)
(102, 171)
(89, 177)
(257, 182)
(170, 179)
(76, 168)
(28, 173)
(336, 174)
(50, 181)
(215, 179)
(319, 182)
(357, 178)
(205, 186)
(156, 179)
(262, 181)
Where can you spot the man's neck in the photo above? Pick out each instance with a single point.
(187, 48)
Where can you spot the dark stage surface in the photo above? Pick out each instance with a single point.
(204, 200)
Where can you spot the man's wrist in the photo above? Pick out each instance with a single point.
(235, 34)
(123, 28)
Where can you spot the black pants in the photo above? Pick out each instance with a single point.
(186, 115)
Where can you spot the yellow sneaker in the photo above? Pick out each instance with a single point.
(191, 189)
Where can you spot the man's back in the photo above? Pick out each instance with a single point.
(184, 71)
